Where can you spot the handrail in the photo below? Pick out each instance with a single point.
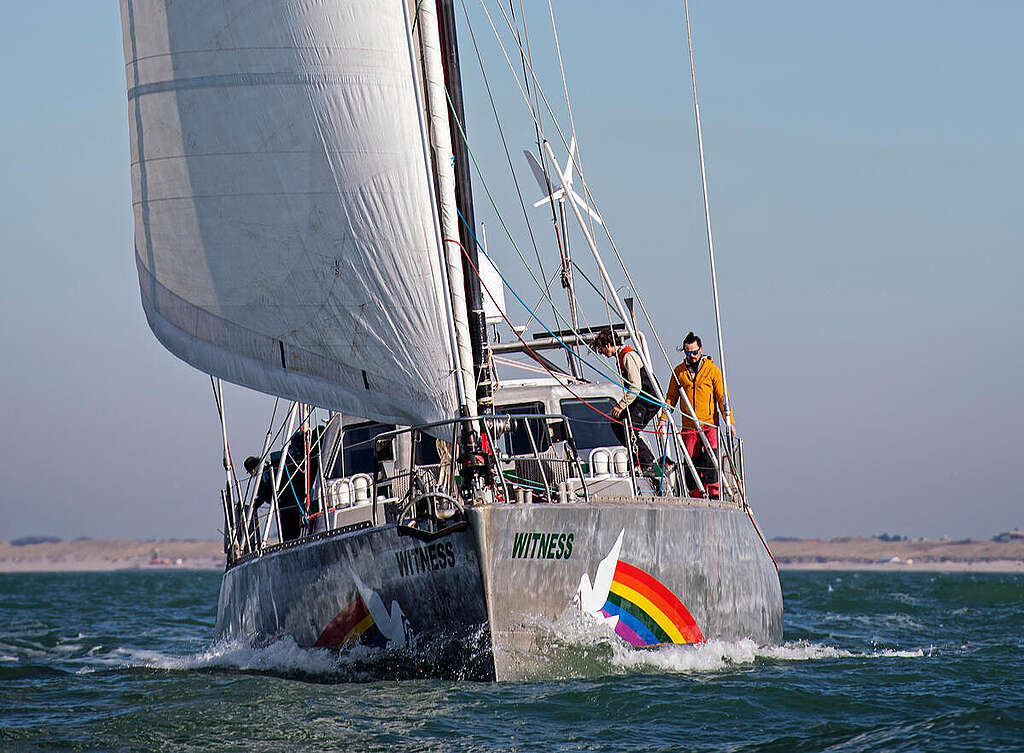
(491, 425)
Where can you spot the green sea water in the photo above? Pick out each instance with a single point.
(871, 662)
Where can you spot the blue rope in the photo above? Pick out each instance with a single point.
(540, 321)
(295, 494)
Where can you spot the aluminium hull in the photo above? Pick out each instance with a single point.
(672, 571)
(488, 598)
(369, 587)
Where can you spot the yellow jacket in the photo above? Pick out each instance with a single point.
(706, 392)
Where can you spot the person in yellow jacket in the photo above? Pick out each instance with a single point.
(701, 380)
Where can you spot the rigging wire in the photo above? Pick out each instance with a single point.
(557, 215)
(504, 143)
(586, 189)
(508, 232)
(658, 432)
(579, 147)
(545, 295)
(704, 190)
(501, 218)
(558, 315)
(534, 114)
(218, 397)
(616, 381)
(690, 411)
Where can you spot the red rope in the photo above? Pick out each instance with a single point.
(539, 360)
(531, 350)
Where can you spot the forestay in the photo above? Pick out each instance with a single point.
(285, 232)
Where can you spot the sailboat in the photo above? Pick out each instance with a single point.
(305, 228)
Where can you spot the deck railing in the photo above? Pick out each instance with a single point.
(418, 476)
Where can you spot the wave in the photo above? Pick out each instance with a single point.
(443, 658)
(715, 656)
(282, 657)
(575, 647)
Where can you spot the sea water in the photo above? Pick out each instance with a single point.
(870, 662)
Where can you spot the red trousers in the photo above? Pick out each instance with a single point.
(690, 440)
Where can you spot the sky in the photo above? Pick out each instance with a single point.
(864, 165)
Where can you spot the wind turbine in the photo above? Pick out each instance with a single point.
(563, 190)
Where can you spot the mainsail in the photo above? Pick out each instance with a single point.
(285, 234)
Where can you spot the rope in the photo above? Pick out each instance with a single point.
(539, 90)
(707, 208)
(567, 323)
(218, 397)
(561, 342)
(562, 384)
(576, 162)
(508, 155)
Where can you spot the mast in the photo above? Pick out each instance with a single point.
(464, 202)
(438, 140)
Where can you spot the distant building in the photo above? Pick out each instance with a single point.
(1014, 535)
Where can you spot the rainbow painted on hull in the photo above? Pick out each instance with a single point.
(353, 623)
(648, 613)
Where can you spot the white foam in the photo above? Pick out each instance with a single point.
(705, 657)
(578, 631)
(717, 655)
(281, 657)
(7, 657)
(581, 630)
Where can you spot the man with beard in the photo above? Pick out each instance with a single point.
(701, 380)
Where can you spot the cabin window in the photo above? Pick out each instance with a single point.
(517, 442)
(589, 428)
(357, 449)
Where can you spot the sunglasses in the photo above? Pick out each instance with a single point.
(691, 352)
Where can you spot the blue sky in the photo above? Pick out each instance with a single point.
(864, 165)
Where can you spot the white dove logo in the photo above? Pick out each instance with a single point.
(591, 598)
(393, 624)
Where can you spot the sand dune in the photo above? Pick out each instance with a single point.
(791, 554)
(111, 555)
(860, 553)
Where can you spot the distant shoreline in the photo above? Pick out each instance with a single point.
(109, 555)
(950, 566)
(868, 553)
(848, 553)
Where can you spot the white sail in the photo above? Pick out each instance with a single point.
(285, 234)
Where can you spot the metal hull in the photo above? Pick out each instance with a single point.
(710, 558)
(506, 583)
(370, 587)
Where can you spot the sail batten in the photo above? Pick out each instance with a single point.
(285, 234)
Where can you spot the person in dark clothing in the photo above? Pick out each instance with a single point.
(263, 495)
(291, 501)
(632, 413)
